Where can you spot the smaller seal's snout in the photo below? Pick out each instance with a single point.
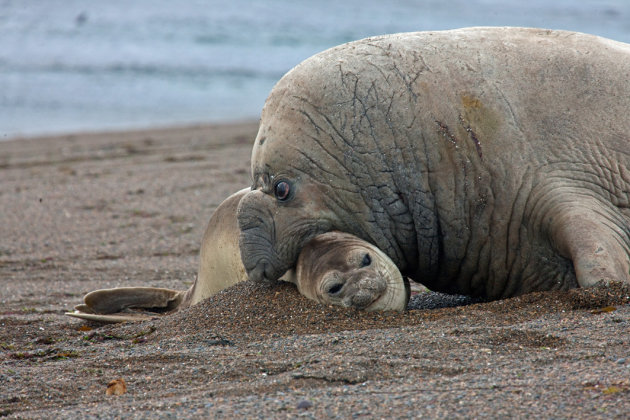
(363, 289)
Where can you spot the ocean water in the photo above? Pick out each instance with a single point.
(70, 65)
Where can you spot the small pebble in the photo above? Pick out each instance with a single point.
(116, 387)
(621, 361)
(304, 405)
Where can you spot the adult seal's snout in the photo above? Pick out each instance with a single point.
(255, 241)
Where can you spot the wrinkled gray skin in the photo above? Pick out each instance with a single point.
(484, 161)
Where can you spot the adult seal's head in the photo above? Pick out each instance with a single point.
(316, 169)
(337, 268)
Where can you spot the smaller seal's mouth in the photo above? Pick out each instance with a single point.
(364, 290)
(378, 300)
(395, 295)
(362, 300)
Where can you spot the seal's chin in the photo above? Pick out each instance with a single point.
(363, 299)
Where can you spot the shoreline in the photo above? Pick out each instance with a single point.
(131, 131)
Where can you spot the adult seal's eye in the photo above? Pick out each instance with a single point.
(282, 190)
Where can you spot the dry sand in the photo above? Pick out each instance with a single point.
(103, 210)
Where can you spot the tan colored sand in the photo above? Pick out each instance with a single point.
(90, 211)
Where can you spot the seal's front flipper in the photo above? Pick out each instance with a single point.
(597, 243)
(110, 301)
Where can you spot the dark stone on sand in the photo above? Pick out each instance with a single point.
(436, 300)
(304, 405)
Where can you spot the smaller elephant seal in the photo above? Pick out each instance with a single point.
(335, 269)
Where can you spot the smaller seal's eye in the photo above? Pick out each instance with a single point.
(335, 288)
(282, 190)
(366, 260)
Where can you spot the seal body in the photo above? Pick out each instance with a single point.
(483, 161)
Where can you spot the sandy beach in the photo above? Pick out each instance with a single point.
(88, 211)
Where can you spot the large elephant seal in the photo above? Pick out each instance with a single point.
(364, 277)
(484, 161)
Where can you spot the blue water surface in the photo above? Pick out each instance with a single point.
(70, 65)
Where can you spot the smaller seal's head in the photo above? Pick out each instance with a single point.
(340, 269)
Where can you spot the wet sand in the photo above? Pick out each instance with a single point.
(90, 211)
